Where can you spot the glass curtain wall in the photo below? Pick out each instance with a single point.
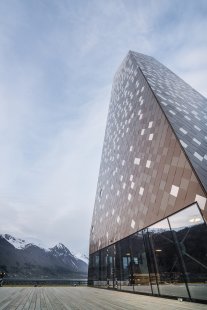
(167, 268)
(93, 269)
(139, 265)
(110, 266)
(124, 260)
(168, 258)
(190, 235)
(103, 267)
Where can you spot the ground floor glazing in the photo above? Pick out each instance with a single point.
(167, 259)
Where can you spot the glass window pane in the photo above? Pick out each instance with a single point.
(103, 272)
(93, 270)
(124, 271)
(139, 275)
(190, 232)
(151, 263)
(169, 273)
(118, 266)
(110, 266)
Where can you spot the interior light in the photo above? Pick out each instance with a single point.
(195, 220)
(128, 254)
(158, 250)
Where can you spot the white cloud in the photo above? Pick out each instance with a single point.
(55, 195)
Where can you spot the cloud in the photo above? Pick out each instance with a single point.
(54, 197)
(196, 73)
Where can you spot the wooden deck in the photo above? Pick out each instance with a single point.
(84, 298)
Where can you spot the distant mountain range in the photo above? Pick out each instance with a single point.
(24, 259)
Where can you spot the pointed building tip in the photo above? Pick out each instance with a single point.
(134, 53)
(130, 52)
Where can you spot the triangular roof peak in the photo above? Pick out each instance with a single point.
(184, 108)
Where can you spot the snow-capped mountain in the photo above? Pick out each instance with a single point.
(19, 243)
(83, 257)
(65, 255)
(61, 250)
(16, 242)
(22, 258)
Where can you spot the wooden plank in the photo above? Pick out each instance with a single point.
(79, 298)
(47, 302)
(53, 300)
(25, 300)
(43, 304)
(17, 300)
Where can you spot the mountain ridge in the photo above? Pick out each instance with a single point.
(21, 259)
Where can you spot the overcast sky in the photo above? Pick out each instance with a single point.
(57, 62)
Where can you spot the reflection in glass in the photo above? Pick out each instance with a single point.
(90, 270)
(125, 262)
(190, 233)
(103, 267)
(151, 263)
(93, 270)
(168, 258)
(169, 274)
(118, 266)
(110, 266)
(139, 273)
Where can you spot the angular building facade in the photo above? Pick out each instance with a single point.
(149, 232)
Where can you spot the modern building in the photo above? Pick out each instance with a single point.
(149, 232)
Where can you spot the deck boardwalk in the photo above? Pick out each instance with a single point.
(84, 298)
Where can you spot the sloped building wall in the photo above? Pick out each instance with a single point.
(145, 174)
(183, 106)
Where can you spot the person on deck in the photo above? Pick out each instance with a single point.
(2, 275)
